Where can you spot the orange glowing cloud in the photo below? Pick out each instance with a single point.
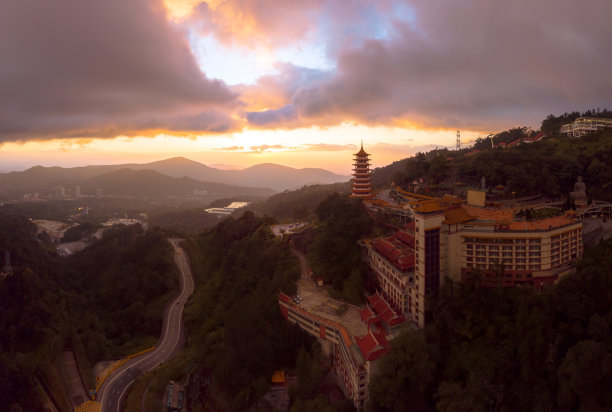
(256, 22)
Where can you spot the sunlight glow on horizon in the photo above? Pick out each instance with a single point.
(298, 148)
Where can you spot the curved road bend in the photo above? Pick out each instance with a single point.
(113, 391)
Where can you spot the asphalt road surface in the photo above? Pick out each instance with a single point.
(112, 393)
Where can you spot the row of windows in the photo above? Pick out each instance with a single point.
(505, 267)
(504, 254)
(470, 246)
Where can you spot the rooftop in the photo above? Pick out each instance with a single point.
(549, 223)
(316, 300)
(397, 248)
(457, 215)
(428, 206)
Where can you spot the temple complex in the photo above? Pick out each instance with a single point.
(362, 187)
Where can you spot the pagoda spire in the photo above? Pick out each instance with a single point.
(362, 187)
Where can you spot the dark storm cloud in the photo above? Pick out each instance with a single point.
(101, 68)
(476, 64)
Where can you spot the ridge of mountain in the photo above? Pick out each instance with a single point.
(151, 183)
(276, 177)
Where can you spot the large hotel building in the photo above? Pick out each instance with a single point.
(451, 239)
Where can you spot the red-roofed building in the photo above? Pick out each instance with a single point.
(354, 346)
(367, 315)
(385, 311)
(371, 347)
(392, 259)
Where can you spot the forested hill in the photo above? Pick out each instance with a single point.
(238, 335)
(550, 166)
(103, 303)
(508, 349)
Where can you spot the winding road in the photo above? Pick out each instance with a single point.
(112, 393)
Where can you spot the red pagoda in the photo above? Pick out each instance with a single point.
(361, 176)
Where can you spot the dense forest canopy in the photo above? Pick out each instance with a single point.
(548, 167)
(238, 336)
(104, 302)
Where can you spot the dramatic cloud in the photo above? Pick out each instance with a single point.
(79, 68)
(253, 22)
(475, 64)
(85, 68)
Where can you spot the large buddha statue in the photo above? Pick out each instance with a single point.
(579, 195)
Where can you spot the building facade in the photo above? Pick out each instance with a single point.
(585, 125)
(451, 240)
(355, 345)
(392, 260)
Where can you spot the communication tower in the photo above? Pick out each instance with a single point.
(458, 140)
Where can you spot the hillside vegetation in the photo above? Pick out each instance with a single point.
(550, 166)
(238, 336)
(103, 303)
(300, 204)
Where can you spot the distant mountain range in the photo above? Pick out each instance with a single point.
(171, 177)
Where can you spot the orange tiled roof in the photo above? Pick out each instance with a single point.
(455, 216)
(506, 217)
(428, 206)
(450, 200)
(490, 214)
(550, 223)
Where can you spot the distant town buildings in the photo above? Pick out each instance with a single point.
(60, 193)
(585, 125)
(362, 187)
(227, 210)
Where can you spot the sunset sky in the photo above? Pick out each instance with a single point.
(294, 82)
